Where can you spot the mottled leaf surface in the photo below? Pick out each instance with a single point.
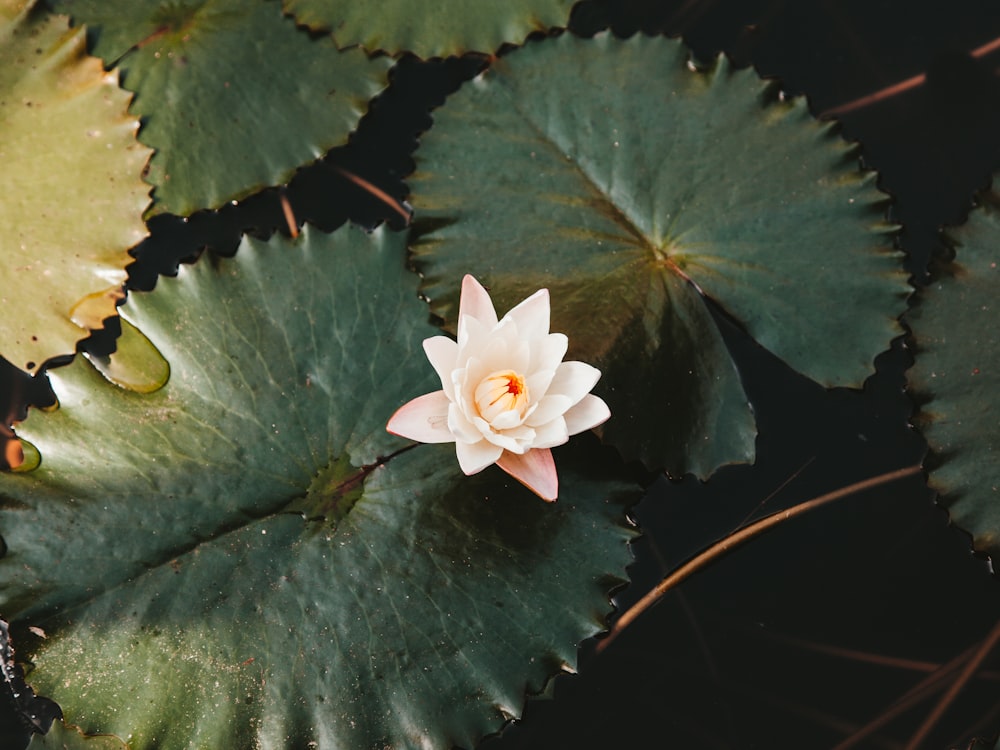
(62, 737)
(957, 371)
(245, 558)
(636, 189)
(234, 97)
(430, 28)
(71, 193)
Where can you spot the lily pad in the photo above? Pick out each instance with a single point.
(957, 369)
(246, 558)
(234, 96)
(62, 737)
(137, 365)
(430, 28)
(636, 189)
(71, 193)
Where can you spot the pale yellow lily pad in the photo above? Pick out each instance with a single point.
(71, 189)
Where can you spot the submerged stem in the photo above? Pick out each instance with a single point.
(729, 543)
(974, 663)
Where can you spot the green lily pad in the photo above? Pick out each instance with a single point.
(137, 365)
(246, 558)
(62, 737)
(636, 188)
(234, 97)
(71, 193)
(957, 369)
(430, 28)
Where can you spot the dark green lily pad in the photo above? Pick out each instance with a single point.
(233, 95)
(957, 369)
(245, 557)
(635, 188)
(430, 28)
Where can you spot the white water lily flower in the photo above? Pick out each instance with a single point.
(507, 397)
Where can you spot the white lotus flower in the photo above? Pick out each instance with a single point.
(507, 397)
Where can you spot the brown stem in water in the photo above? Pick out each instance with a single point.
(898, 88)
(975, 661)
(290, 220)
(924, 689)
(378, 192)
(731, 542)
(890, 662)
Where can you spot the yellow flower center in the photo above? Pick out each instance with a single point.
(499, 392)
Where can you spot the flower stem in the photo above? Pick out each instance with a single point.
(898, 88)
(737, 538)
(974, 663)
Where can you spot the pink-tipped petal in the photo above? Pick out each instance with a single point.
(535, 469)
(574, 379)
(590, 412)
(424, 419)
(442, 353)
(476, 303)
(474, 457)
(531, 316)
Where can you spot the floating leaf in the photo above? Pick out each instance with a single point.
(431, 28)
(246, 558)
(11, 9)
(71, 193)
(957, 368)
(634, 188)
(62, 737)
(236, 98)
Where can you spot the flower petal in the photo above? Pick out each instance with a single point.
(462, 429)
(476, 303)
(506, 420)
(590, 412)
(550, 407)
(538, 383)
(492, 356)
(524, 436)
(505, 441)
(551, 434)
(548, 351)
(535, 470)
(574, 379)
(518, 356)
(474, 457)
(424, 419)
(442, 353)
(531, 316)
(473, 335)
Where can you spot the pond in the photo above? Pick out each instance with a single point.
(841, 627)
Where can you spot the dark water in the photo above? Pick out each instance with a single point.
(786, 642)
